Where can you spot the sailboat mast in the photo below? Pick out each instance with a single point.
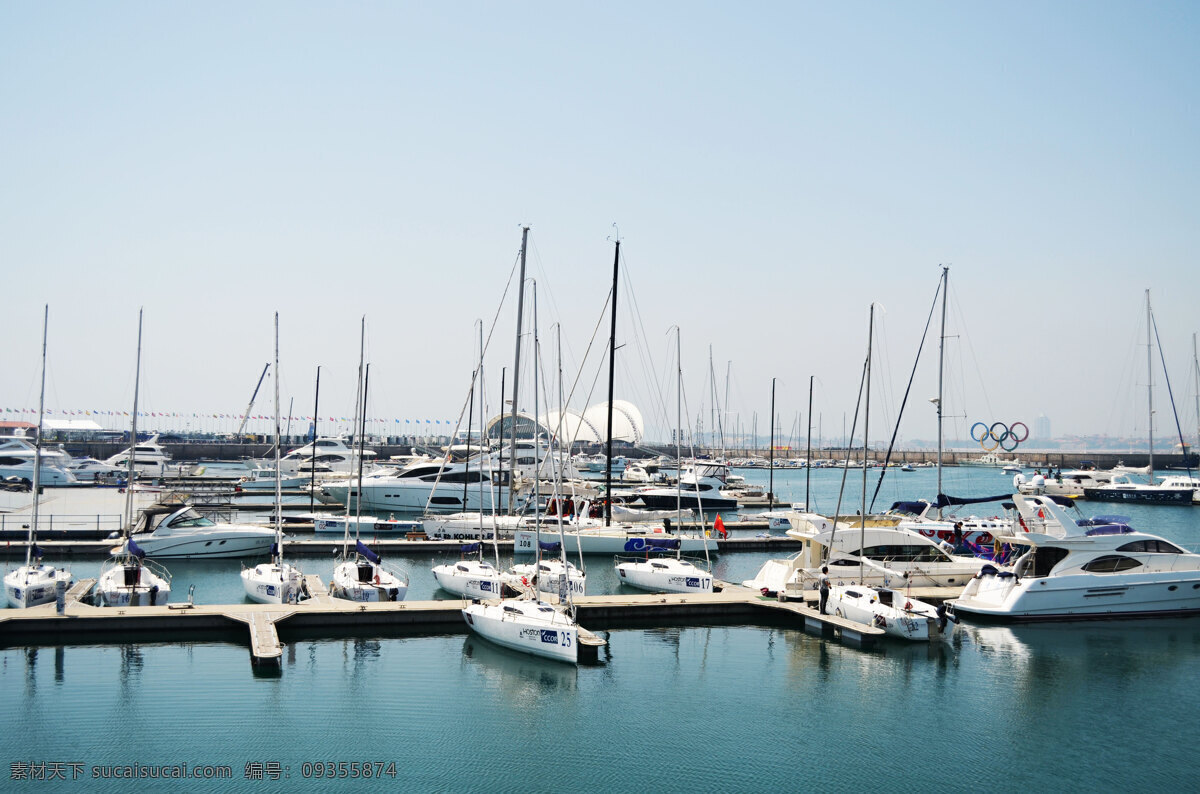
(137, 379)
(808, 454)
(941, 373)
(278, 486)
(612, 362)
(1196, 372)
(862, 532)
(312, 480)
(537, 496)
(771, 481)
(512, 448)
(358, 400)
(679, 434)
(37, 448)
(1150, 387)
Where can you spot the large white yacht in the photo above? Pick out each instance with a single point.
(699, 489)
(1095, 569)
(16, 461)
(149, 459)
(325, 455)
(453, 488)
(892, 554)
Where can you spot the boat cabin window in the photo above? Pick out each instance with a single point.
(464, 476)
(844, 561)
(1153, 546)
(12, 461)
(907, 553)
(1110, 563)
(1045, 558)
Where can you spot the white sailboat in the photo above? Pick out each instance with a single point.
(899, 615)
(361, 575)
(669, 575)
(128, 579)
(527, 624)
(275, 582)
(34, 582)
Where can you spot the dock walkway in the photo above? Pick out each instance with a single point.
(83, 622)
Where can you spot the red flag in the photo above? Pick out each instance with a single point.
(719, 525)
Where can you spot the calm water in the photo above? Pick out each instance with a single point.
(709, 708)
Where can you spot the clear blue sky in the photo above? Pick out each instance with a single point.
(773, 168)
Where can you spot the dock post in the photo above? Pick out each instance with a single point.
(60, 596)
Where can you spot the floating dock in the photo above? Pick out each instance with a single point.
(80, 621)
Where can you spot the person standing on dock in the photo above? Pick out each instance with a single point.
(823, 587)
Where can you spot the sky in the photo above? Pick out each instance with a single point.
(772, 170)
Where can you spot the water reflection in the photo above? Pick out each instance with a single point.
(517, 674)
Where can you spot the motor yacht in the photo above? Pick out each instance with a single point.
(874, 555)
(167, 531)
(450, 487)
(1093, 569)
(16, 463)
(1123, 489)
(699, 488)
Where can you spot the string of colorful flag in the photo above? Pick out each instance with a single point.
(77, 413)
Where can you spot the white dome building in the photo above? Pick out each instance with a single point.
(589, 427)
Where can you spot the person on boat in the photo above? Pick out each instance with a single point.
(958, 536)
(667, 525)
(823, 587)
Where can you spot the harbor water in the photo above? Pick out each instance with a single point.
(709, 707)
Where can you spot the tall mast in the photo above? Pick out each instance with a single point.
(537, 422)
(1150, 386)
(37, 449)
(679, 435)
(278, 486)
(137, 379)
(771, 486)
(359, 400)
(312, 479)
(612, 361)
(1196, 372)
(512, 448)
(808, 454)
(862, 532)
(941, 369)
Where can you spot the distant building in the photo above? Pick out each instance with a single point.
(1041, 428)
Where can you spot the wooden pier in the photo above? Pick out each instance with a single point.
(83, 622)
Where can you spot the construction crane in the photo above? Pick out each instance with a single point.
(246, 415)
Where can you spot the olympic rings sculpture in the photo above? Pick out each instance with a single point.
(999, 435)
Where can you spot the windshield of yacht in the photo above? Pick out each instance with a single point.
(190, 518)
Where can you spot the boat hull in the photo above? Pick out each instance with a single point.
(207, 547)
(552, 638)
(665, 576)
(1158, 496)
(993, 598)
(268, 584)
(609, 541)
(33, 585)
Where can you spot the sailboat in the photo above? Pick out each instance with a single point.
(667, 574)
(35, 583)
(361, 575)
(1173, 491)
(128, 579)
(528, 624)
(275, 582)
(897, 614)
